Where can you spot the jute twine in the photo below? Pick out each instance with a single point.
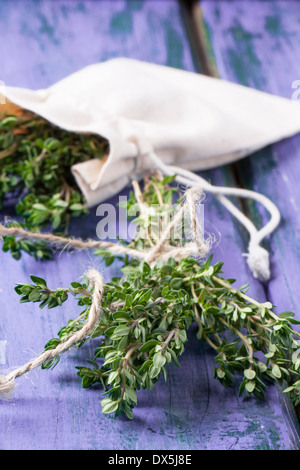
(96, 281)
(161, 250)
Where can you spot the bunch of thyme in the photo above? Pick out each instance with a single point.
(35, 162)
(147, 312)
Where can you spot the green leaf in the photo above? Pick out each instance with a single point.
(249, 374)
(250, 386)
(267, 305)
(145, 366)
(159, 360)
(113, 377)
(174, 357)
(77, 207)
(276, 371)
(269, 355)
(176, 283)
(220, 373)
(40, 207)
(286, 315)
(123, 343)
(128, 412)
(60, 203)
(130, 393)
(146, 296)
(86, 382)
(182, 335)
(38, 281)
(121, 316)
(288, 389)
(149, 345)
(34, 296)
(110, 407)
(262, 367)
(120, 331)
(154, 372)
(128, 301)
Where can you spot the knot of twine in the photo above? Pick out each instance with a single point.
(259, 263)
(161, 250)
(198, 246)
(258, 257)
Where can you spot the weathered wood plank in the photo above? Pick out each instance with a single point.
(257, 44)
(42, 42)
(47, 41)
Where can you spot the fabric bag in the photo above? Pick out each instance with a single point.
(155, 116)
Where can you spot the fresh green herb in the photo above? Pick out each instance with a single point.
(147, 313)
(35, 162)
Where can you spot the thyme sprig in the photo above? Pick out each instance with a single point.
(35, 162)
(147, 313)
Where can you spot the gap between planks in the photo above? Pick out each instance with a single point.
(204, 63)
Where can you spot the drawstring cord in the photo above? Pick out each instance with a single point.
(257, 256)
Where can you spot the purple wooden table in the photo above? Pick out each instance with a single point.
(41, 42)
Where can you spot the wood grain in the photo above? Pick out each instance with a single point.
(257, 44)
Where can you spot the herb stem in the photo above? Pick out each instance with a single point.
(241, 336)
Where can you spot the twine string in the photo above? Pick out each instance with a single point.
(257, 256)
(7, 382)
(162, 249)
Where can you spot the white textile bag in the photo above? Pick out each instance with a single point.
(155, 116)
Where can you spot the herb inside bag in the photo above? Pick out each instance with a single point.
(35, 172)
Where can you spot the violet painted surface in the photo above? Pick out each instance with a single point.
(45, 41)
(40, 43)
(257, 44)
